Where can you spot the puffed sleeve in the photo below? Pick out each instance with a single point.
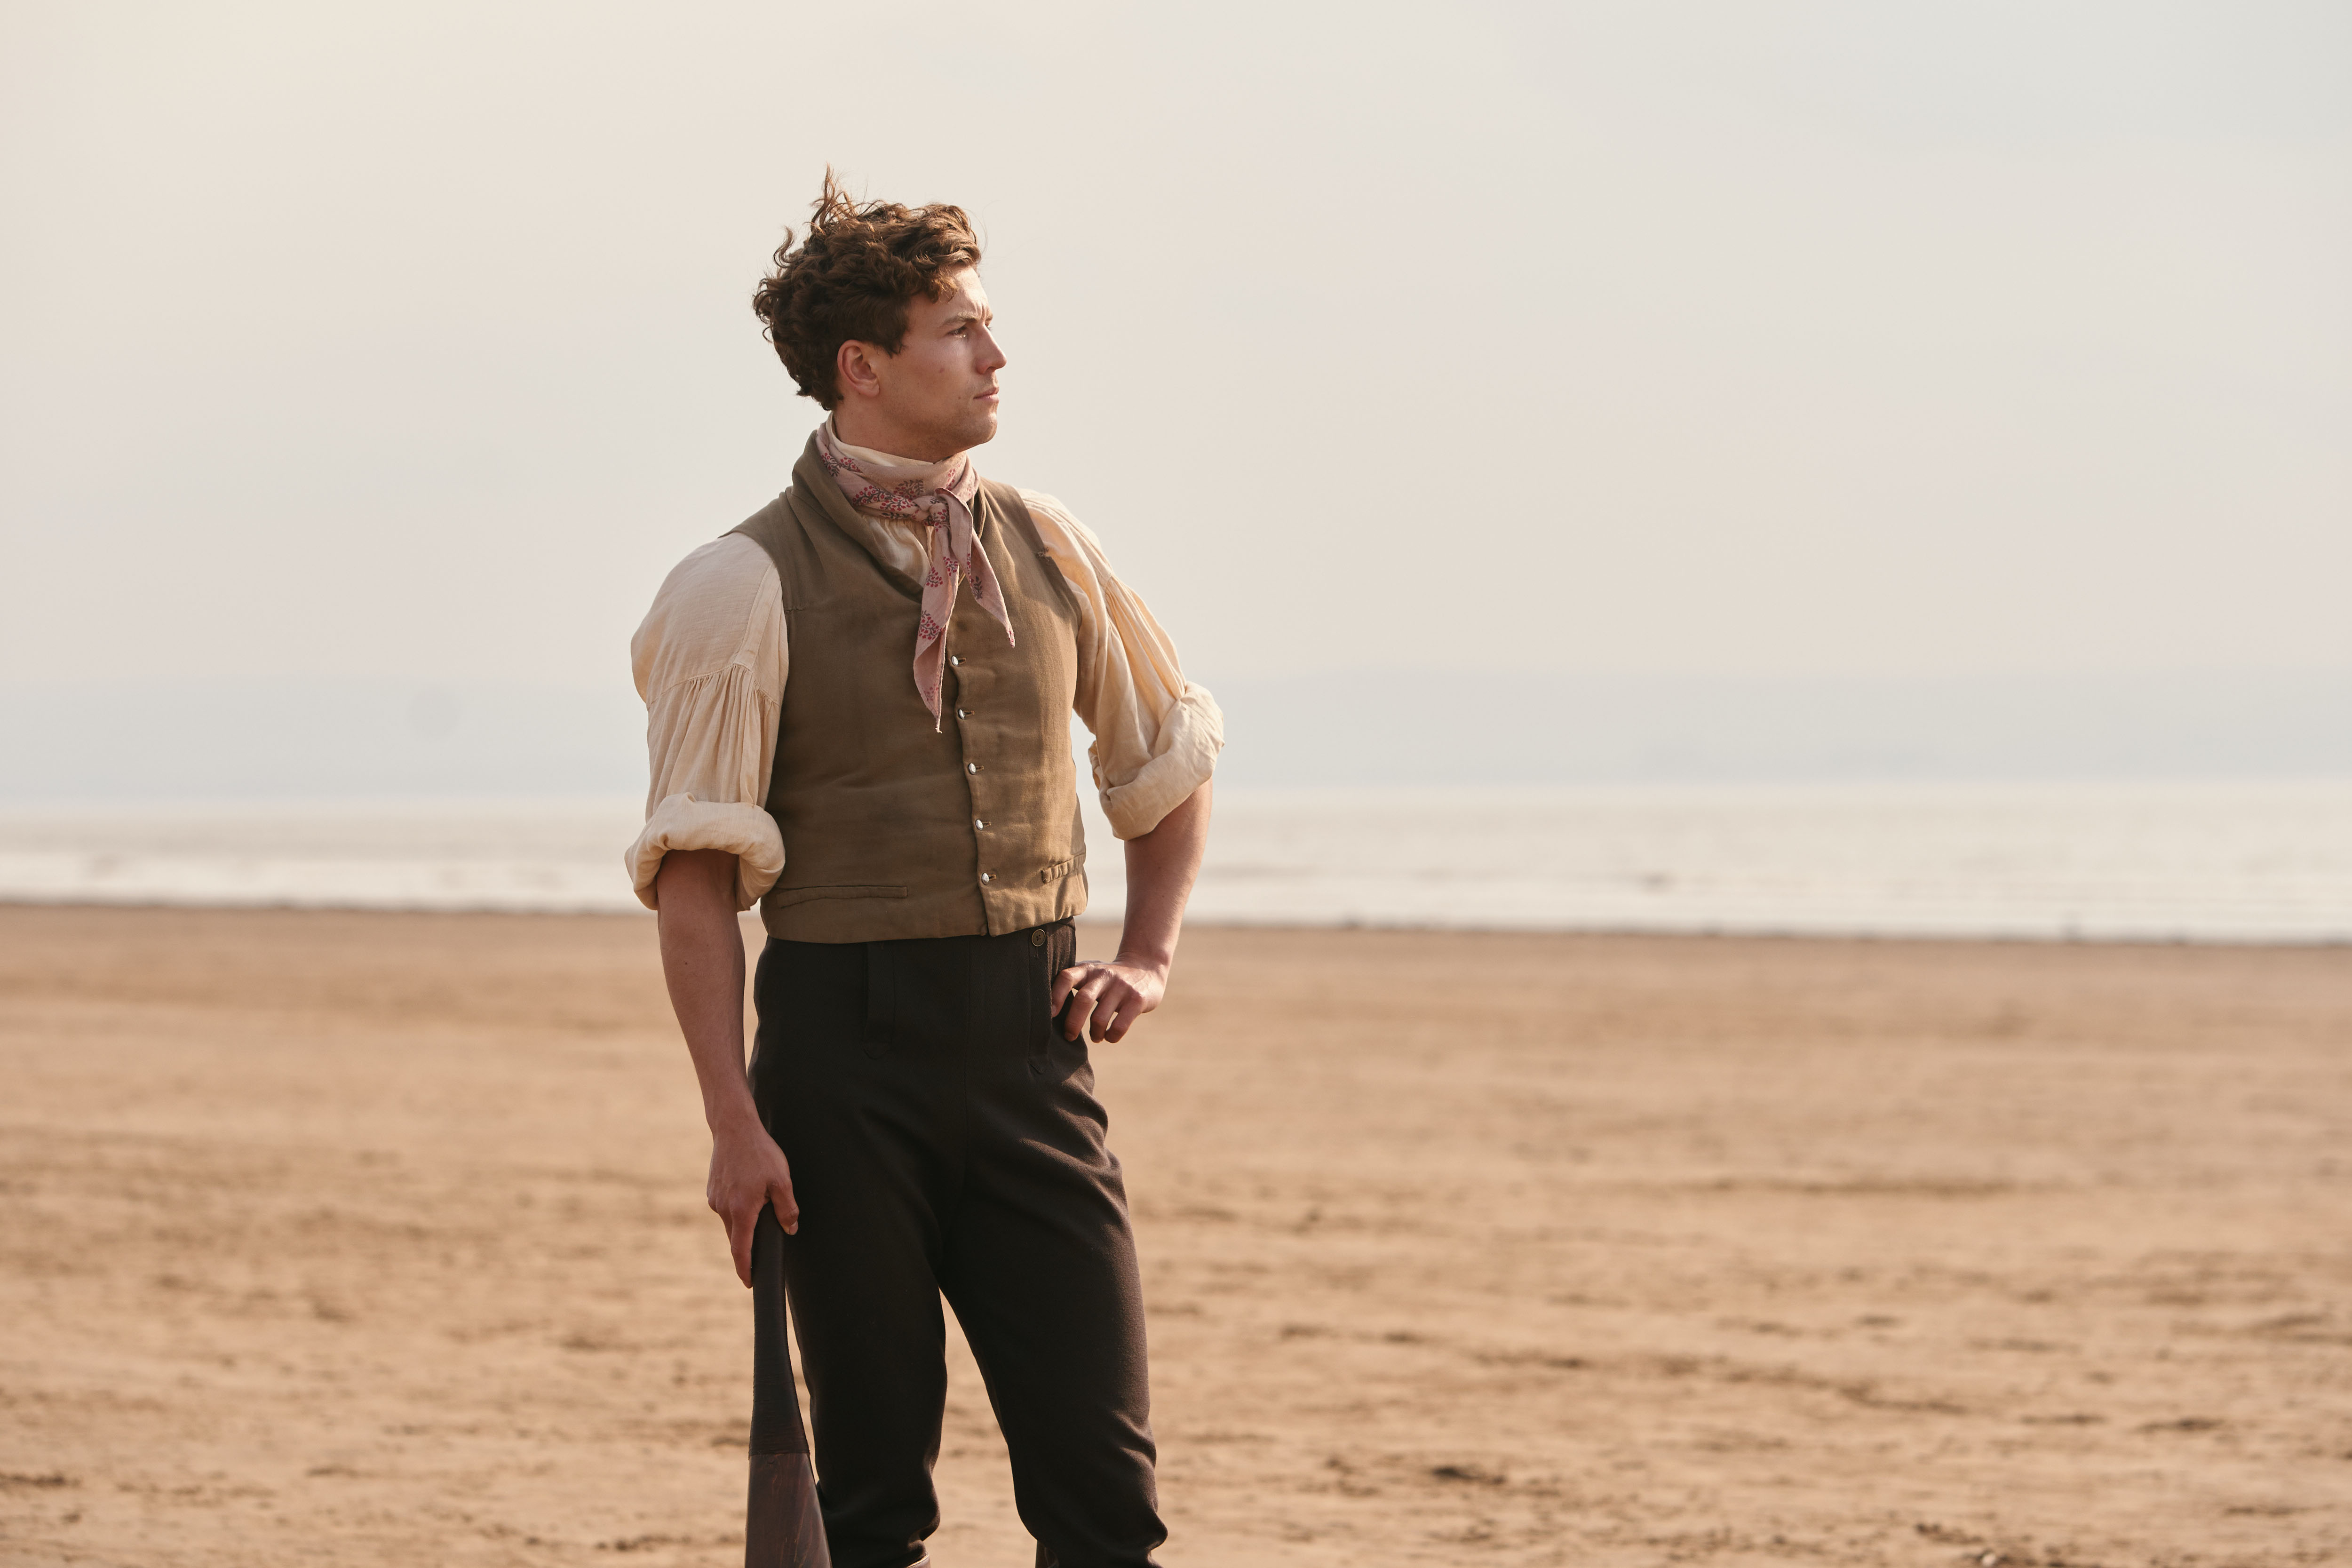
(710, 661)
(1157, 735)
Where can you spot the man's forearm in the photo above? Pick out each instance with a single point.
(702, 961)
(1161, 866)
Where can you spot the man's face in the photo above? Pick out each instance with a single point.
(938, 393)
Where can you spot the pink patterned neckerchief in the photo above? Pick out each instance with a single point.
(940, 501)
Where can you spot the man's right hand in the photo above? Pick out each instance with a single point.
(748, 1172)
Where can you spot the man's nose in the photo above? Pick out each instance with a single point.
(992, 353)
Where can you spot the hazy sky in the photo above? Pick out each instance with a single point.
(413, 340)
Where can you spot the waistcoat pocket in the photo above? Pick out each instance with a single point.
(785, 898)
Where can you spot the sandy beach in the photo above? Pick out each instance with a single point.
(379, 1240)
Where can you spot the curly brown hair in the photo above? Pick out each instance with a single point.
(853, 278)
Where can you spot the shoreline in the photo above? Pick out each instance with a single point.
(1091, 922)
(2242, 862)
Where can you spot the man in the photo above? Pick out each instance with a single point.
(858, 711)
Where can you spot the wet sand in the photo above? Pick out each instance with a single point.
(343, 1238)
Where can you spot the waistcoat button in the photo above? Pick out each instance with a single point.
(964, 712)
(972, 767)
(979, 825)
(955, 659)
(988, 875)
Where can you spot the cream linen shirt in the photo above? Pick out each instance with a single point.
(711, 660)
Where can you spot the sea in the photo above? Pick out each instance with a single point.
(2221, 861)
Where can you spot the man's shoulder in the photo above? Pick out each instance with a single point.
(731, 555)
(1059, 529)
(722, 599)
(731, 570)
(1047, 510)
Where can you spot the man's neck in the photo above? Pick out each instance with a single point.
(857, 427)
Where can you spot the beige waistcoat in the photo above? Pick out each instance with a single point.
(893, 829)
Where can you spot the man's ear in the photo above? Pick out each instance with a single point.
(856, 371)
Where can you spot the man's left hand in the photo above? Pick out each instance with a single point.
(1103, 999)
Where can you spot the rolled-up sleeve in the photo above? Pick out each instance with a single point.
(710, 661)
(1156, 735)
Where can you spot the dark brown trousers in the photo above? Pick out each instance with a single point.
(945, 1139)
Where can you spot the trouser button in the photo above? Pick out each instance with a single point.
(1036, 939)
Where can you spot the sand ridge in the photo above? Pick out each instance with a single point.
(340, 1239)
